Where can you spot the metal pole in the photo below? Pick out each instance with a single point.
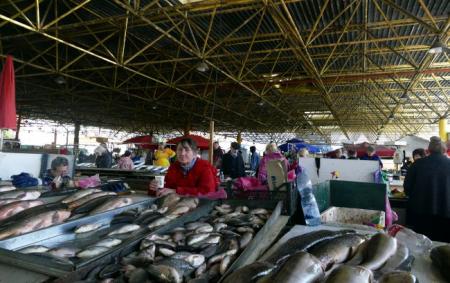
(211, 141)
(1, 139)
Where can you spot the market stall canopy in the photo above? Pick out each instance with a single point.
(8, 96)
(202, 143)
(298, 144)
(380, 150)
(139, 139)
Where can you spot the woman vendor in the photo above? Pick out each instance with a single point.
(189, 175)
(163, 155)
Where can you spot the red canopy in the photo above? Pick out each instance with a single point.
(8, 96)
(139, 139)
(380, 150)
(202, 143)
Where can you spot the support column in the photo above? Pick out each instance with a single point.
(187, 128)
(76, 139)
(443, 129)
(55, 137)
(239, 138)
(211, 141)
(19, 121)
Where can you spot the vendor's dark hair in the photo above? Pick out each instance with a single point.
(188, 142)
(436, 145)
(127, 153)
(235, 145)
(59, 161)
(252, 148)
(419, 151)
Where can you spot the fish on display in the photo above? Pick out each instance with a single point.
(398, 277)
(245, 239)
(21, 195)
(250, 273)
(34, 222)
(350, 274)
(8, 200)
(92, 204)
(337, 250)
(79, 194)
(440, 256)
(34, 249)
(147, 216)
(397, 259)
(161, 221)
(108, 243)
(125, 229)
(79, 202)
(112, 204)
(378, 250)
(13, 208)
(301, 267)
(92, 252)
(87, 228)
(6, 188)
(168, 201)
(64, 252)
(302, 243)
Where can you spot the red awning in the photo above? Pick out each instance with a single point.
(8, 96)
(202, 143)
(139, 139)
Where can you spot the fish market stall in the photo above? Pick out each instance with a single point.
(354, 252)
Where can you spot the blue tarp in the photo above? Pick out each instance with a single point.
(298, 144)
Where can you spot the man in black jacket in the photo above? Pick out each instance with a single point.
(427, 184)
(233, 163)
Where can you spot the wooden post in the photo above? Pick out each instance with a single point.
(239, 138)
(187, 128)
(211, 142)
(76, 139)
(19, 121)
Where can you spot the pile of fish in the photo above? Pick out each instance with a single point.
(199, 251)
(331, 257)
(121, 227)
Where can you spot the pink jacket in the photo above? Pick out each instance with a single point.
(262, 171)
(125, 163)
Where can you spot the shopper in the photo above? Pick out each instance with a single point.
(352, 154)
(57, 176)
(125, 162)
(427, 184)
(254, 159)
(163, 155)
(233, 163)
(371, 155)
(338, 154)
(189, 174)
(103, 156)
(271, 153)
(418, 153)
(217, 155)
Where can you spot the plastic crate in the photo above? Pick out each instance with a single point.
(345, 215)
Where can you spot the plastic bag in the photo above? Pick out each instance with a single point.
(247, 183)
(416, 243)
(391, 216)
(90, 182)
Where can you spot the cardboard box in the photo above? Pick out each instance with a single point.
(353, 216)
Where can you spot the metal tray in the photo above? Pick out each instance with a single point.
(58, 235)
(259, 244)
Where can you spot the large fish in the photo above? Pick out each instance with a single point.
(64, 252)
(301, 267)
(350, 274)
(79, 202)
(441, 259)
(336, 250)
(250, 273)
(112, 204)
(92, 251)
(147, 217)
(79, 194)
(7, 200)
(92, 204)
(16, 207)
(398, 277)
(21, 195)
(168, 201)
(34, 249)
(302, 243)
(6, 188)
(378, 250)
(35, 222)
(181, 267)
(164, 273)
(396, 260)
(31, 212)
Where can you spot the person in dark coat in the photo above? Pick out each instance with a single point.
(217, 155)
(371, 155)
(233, 163)
(104, 157)
(427, 184)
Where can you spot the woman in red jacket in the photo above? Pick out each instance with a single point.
(189, 175)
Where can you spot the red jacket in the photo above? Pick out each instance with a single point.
(200, 180)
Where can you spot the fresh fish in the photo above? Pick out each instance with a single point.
(147, 217)
(64, 252)
(166, 244)
(378, 250)
(211, 239)
(245, 240)
(195, 260)
(200, 270)
(196, 238)
(223, 210)
(245, 229)
(166, 251)
(112, 204)
(192, 203)
(336, 250)
(178, 210)
(35, 222)
(169, 200)
(440, 257)
(33, 249)
(259, 211)
(81, 201)
(398, 277)
(191, 226)
(92, 252)
(79, 194)
(13, 208)
(92, 204)
(108, 243)
(178, 236)
(249, 273)
(148, 253)
(400, 256)
(128, 216)
(181, 266)
(8, 200)
(162, 210)
(213, 272)
(138, 275)
(125, 229)
(207, 228)
(87, 228)
(164, 273)
(350, 274)
(21, 195)
(229, 234)
(210, 251)
(301, 267)
(302, 243)
(110, 271)
(220, 257)
(219, 226)
(224, 264)
(6, 188)
(161, 221)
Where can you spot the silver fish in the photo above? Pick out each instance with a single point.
(378, 250)
(165, 273)
(148, 253)
(21, 195)
(245, 240)
(108, 243)
(200, 270)
(400, 255)
(219, 226)
(161, 221)
(194, 225)
(34, 249)
(350, 274)
(398, 277)
(79, 194)
(204, 229)
(196, 238)
(92, 251)
(125, 229)
(64, 252)
(219, 257)
(224, 264)
(112, 204)
(179, 210)
(244, 229)
(13, 208)
(178, 236)
(7, 188)
(87, 228)
(259, 211)
(166, 251)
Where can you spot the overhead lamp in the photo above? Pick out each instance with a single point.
(154, 107)
(202, 67)
(60, 80)
(276, 85)
(260, 103)
(437, 47)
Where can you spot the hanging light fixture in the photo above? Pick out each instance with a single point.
(202, 67)
(438, 47)
(60, 80)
